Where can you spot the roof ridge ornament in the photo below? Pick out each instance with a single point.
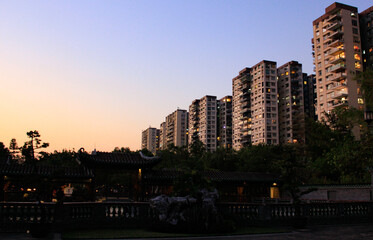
(146, 157)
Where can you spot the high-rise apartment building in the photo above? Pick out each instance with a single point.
(176, 128)
(150, 140)
(241, 109)
(337, 58)
(264, 109)
(225, 122)
(203, 122)
(366, 30)
(255, 110)
(309, 94)
(291, 103)
(162, 136)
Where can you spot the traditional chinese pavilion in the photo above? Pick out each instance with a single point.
(124, 177)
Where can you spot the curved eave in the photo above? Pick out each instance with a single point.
(128, 161)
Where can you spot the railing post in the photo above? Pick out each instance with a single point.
(99, 213)
(264, 212)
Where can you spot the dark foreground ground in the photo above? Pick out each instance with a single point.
(339, 232)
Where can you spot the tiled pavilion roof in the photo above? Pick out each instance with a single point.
(44, 171)
(217, 176)
(117, 160)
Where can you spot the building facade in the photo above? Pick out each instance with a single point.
(150, 140)
(337, 58)
(255, 110)
(225, 122)
(176, 128)
(203, 122)
(366, 30)
(162, 136)
(309, 94)
(264, 107)
(241, 109)
(291, 103)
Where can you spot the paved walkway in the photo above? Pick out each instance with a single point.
(339, 232)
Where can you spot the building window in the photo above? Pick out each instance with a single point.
(357, 65)
(354, 22)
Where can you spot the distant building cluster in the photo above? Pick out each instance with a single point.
(269, 104)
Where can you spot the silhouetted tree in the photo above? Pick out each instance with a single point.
(121, 150)
(14, 150)
(366, 80)
(4, 153)
(28, 149)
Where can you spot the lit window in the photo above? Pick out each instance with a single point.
(357, 65)
(356, 47)
(305, 82)
(357, 56)
(360, 101)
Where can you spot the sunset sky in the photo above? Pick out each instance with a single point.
(94, 74)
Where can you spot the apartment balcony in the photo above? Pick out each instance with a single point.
(334, 17)
(336, 43)
(340, 94)
(245, 110)
(338, 77)
(337, 86)
(245, 129)
(338, 67)
(334, 26)
(340, 103)
(337, 50)
(336, 34)
(245, 80)
(337, 59)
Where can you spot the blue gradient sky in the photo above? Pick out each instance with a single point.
(96, 73)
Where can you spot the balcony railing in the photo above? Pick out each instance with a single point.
(337, 86)
(336, 43)
(340, 103)
(335, 51)
(336, 34)
(334, 17)
(338, 77)
(334, 26)
(338, 67)
(340, 94)
(337, 59)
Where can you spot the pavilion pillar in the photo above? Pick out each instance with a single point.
(136, 178)
(91, 190)
(2, 194)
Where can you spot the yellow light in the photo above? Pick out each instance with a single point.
(28, 189)
(274, 184)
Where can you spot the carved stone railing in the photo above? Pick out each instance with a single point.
(91, 215)
(17, 212)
